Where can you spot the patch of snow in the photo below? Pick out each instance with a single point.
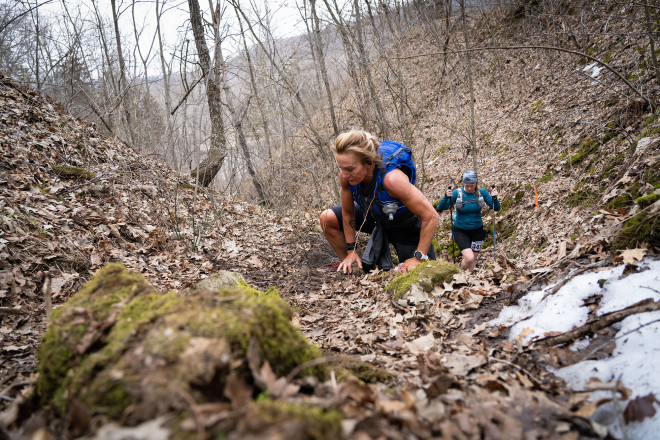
(589, 67)
(636, 356)
(595, 71)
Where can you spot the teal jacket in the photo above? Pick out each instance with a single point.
(470, 216)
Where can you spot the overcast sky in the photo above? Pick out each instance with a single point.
(285, 19)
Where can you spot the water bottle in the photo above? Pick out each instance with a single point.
(390, 209)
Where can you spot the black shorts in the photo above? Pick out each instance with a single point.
(469, 238)
(404, 239)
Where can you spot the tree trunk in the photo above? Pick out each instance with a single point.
(237, 117)
(209, 167)
(351, 62)
(364, 61)
(166, 87)
(473, 135)
(122, 88)
(321, 60)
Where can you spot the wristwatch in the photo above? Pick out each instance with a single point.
(420, 256)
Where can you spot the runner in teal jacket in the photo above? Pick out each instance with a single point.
(468, 228)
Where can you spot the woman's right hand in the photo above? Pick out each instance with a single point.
(346, 266)
(448, 193)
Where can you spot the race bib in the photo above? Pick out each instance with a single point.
(476, 246)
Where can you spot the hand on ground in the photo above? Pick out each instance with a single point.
(346, 266)
(409, 265)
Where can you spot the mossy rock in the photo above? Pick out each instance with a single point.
(647, 200)
(641, 229)
(225, 280)
(426, 275)
(366, 372)
(123, 350)
(71, 172)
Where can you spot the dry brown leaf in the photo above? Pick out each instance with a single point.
(632, 255)
(640, 408)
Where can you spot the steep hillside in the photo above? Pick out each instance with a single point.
(550, 122)
(423, 363)
(72, 201)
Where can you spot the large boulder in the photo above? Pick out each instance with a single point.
(119, 350)
(426, 275)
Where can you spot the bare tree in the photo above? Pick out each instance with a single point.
(468, 61)
(237, 115)
(366, 68)
(209, 167)
(122, 86)
(320, 59)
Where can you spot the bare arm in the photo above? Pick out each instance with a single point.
(398, 186)
(348, 220)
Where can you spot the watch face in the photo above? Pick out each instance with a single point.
(418, 255)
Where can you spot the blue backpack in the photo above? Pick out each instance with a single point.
(395, 155)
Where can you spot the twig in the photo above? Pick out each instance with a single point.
(11, 311)
(597, 324)
(622, 335)
(560, 49)
(491, 358)
(309, 364)
(48, 295)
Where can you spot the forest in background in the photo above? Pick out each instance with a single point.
(555, 102)
(253, 113)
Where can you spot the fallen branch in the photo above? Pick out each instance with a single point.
(601, 322)
(11, 311)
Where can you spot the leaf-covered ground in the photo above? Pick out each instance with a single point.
(72, 201)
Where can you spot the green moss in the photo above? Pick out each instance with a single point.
(543, 243)
(537, 105)
(641, 229)
(310, 422)
(427, 275)
(592, 49)
(364, 371)
(503, 230)
(651, 119)
(112, 401)
(71, 172)
(556, 131)
(272, 290)
(588, 147)
(437, 247)
(519, 196)
(505, 205)
(547, 177)
(622, 201)
(610, 131)
(452, 248)
(611, 102)
(610, 169)
(647, 200)
(118, 328)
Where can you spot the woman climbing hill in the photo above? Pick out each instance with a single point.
(468, 229)
(378, 197)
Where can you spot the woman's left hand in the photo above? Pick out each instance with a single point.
(409, 265)
(493, 193)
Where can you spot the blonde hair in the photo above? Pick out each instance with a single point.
(361, 143)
